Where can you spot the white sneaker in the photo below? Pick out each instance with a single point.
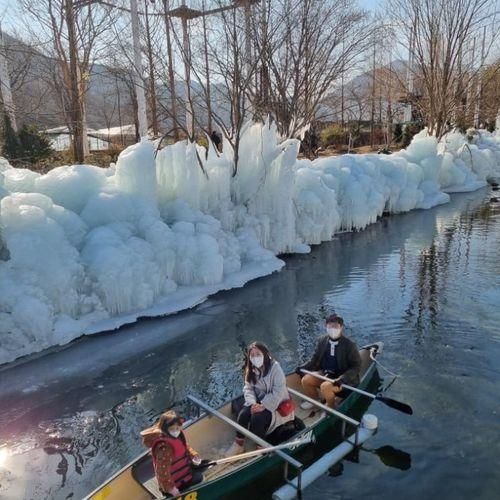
(305, 405)
(234, 449)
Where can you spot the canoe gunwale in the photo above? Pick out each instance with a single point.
(272, 459)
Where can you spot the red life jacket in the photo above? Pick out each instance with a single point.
(180, 468)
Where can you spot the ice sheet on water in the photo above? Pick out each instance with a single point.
(91, 248)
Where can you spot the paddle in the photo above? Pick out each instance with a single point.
(308, 438)
(392, 457)
(397, 405)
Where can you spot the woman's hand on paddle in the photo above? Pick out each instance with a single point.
(257, 408)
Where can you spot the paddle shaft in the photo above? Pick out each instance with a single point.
(245, 432)
(397, 405)
(262, 451)
(355, 389)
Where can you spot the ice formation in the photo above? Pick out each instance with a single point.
(85, 249)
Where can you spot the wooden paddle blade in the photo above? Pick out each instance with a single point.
(397, 405)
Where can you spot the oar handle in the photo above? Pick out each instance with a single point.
(397, 405)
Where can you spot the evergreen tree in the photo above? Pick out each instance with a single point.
(11, 146)
(398, 133)
(34, 145)
(407, 135)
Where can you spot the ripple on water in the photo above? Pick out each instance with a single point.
(425, 283)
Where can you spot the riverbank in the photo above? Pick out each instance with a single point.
(90, 249)
(426, 283)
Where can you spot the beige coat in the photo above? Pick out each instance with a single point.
(270, 390)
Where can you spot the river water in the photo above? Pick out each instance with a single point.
(426, 283)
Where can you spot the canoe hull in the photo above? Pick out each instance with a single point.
(269, 469)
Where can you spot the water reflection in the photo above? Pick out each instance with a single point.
(426, 283)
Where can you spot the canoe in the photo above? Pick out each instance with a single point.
(210, 435)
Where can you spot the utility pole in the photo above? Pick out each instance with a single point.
(372, 129)
(480, 82)
(138, 80)
(207, 73)
(152, 87)
(185, 14)
(171, 78)
(408, 113)
(187, 75)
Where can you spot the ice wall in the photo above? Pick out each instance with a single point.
(85, 249)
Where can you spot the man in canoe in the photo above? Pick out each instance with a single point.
(336, 357)
(173, 458)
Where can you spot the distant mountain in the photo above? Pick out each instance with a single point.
(109, 99)
(358, 94)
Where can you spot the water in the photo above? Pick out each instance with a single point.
(426, 283)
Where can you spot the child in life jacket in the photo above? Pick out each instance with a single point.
(173, 458)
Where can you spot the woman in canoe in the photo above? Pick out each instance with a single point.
(172, 456)
(267, 402)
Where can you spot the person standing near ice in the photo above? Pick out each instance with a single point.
(216, 139)
(335, 357)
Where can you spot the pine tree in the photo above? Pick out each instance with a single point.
(407, 136)
(34, 145)
(11, 147)
(398, 133)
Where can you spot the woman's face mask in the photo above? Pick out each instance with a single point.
(257, 360)
(174, 431)
(334, 332)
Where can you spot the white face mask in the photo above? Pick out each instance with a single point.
(175, 434)
(257, 361)
(334, 333)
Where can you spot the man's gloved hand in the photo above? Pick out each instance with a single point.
(196, 460)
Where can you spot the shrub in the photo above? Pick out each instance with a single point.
(397, 133)
(26, 146)
(11, 148)
(333, 135)
(34, 145)
(408, 133)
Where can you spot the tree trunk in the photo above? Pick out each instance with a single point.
(6, 92)
(142, 118)
(207, 74)
(152, 87)
(171, 78)
(76, 110)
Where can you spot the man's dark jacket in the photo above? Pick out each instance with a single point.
(346, 354)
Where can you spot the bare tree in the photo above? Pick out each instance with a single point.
(74, 31)
(307, 44)
(441, 39)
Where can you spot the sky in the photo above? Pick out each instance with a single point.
(8, 6)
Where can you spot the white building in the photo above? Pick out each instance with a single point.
(60, 139)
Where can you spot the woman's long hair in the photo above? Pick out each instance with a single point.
(249, 372)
